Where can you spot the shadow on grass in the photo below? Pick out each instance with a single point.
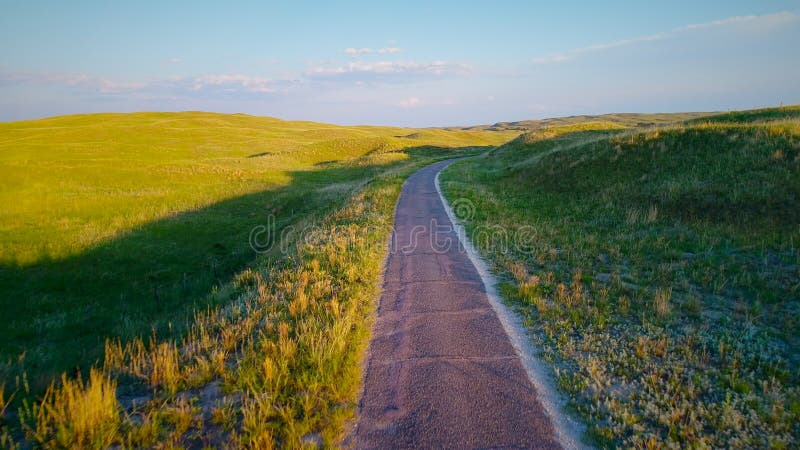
(150, 279)
(258, 155)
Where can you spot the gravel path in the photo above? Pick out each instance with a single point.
(441, 370)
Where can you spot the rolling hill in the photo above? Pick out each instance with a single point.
(127, 228)
(658, 270)
(202, 279)
(626, 120)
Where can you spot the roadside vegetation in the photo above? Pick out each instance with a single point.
(136, 312)
(658, 269)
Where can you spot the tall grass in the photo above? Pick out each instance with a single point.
(74, 414)
(6, 440)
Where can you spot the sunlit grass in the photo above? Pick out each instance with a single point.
(75, 415)
(126, 251)
(68, 183)
(119, 225)
(278, 365)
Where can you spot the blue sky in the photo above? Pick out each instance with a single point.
(401, 63)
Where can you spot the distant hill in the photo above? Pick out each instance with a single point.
(627, 120)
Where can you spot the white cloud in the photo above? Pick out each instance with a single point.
(410, 102)
(365, 71)
(357, 51)
(175, 60)
(763, 22)
(233, 82)
(79, 80)
(188, 86)
(366, 50)
(237, 84)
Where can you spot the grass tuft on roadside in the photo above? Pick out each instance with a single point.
(74, 414)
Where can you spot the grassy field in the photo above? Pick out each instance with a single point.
(657, 268)
(134, 228)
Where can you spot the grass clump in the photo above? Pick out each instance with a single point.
(661, 301)
(75, 414)
(659, 272)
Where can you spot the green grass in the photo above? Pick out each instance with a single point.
(658, 269)
(756, 115)
(121, 225)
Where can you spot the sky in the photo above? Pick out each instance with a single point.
(409, 63)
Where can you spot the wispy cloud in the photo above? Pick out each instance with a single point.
(229, 84)
(556, 57)
(357, 51)
(765, 21)
(761, 22)
(410, 102)
(366, 50)
(235, 82)
(389, 70)
(78, 80)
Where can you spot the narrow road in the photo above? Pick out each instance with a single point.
(441, 371)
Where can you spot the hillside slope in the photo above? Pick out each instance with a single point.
(625, 120)
(658, 269)
(119, 225)
(200, 279)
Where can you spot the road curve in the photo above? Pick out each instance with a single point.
(441, 371)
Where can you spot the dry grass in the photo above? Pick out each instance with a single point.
(6, 440)
(3, 401)
(661, 301)
(74, 414)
